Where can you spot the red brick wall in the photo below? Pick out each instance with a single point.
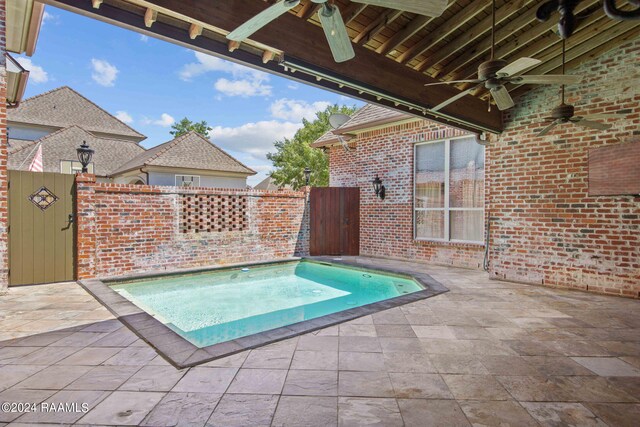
(124, 229)
(547, 230)
(386, 226)
(4, 256)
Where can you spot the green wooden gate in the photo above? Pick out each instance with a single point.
(41, 227)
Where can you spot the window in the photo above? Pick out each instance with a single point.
(73, 167)
(187, 181)
(449, 190)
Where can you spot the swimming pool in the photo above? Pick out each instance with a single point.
(218, 306)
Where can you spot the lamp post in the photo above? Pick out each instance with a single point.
(84, 156)
(307, 175)
(378, 187)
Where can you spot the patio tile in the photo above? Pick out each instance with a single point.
(103, 378)
(500, 413)
(357, 330)
(608, 366)
(311, 383)
(119, 338)
(441, 346)
(206, 380)
(122, 407)
(398, 331)
(233, 361)
(417, 385)
(317, 343)
(536, 389)
(432, 413)
(13, 374)
(475, 387)
(315, 360)
(65, 397)
(44, 356)
(400, 345)
(361, 344)
(457, 364)
(356, 411)
(133, 356)
(513, 365)
(21, 396)
(184, 409)
(91, 356)
(408, 362)
(471, 333)
(394, 316)
(562, 414)
(593, 389)
(241, 410)
(79, 339)
(269, 359)
(258, 381)
(353, 361)
(365, 384)
(562, 365)
(617, 414)
(154, 378)
(630, 385)
(41, 340)
(306, 411)
(54, 377)
(439, 332)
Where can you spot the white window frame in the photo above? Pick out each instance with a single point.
(196, 182)
(446, 210)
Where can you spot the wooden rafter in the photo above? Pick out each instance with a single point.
(376, 26)
(352, 12)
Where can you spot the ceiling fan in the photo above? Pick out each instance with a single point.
(564, 113)
(332, 22)
(495, 73)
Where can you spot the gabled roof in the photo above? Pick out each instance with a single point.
(367, 117)
(189, 151)
(64, 107)
(62, 144)
(269, 184)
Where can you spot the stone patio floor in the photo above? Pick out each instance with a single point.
(485, 353)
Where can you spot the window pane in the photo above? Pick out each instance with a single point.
(467, 225)
(466, 175)
(430, 224)
(430, 175)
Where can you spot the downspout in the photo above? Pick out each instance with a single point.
(485, 261)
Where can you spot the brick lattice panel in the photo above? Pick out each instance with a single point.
(211, 213)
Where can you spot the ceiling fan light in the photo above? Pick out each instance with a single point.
(336, 33)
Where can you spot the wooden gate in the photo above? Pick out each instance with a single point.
(335, 221)
(41, 227)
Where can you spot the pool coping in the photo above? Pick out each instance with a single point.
(181, 353)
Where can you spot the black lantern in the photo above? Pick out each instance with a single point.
(84, 155)
(378, 187)
(307, 175)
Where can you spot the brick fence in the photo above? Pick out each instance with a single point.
(126, 229)
(4, 256)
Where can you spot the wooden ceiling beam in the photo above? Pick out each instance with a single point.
(352, 12)
(462, 42)
(377, 25)
(308, 10)
(449, 27)
(520, 46)
(415, 25)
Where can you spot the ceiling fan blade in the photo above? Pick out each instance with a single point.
(452, 82)
(502, 98)
(260, 20)
(336, 33)
(547, 79)
(421, 7)
(593, 125)
(517, 66)
(455, 98)
(547, 129)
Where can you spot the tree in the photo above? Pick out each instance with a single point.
(185, 125)
(293, 155)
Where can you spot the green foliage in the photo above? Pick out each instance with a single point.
(292, 156)
(185, 125)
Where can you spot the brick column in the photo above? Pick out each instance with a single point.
(4, 238)
(85, 226)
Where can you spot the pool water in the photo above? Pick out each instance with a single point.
(214, 307)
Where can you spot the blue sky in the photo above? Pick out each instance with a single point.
(149, 83)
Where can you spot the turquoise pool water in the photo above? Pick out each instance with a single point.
(209, 308)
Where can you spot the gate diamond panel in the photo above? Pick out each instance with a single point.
(43, 198)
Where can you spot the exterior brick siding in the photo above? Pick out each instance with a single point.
(126, 229)
(4, 238)
(545, 228)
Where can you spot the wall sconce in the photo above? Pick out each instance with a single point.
(84, 155)
(378, 187)
(307, 176)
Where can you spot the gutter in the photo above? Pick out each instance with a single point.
(17, 77)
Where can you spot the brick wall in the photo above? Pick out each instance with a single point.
(124, 229)
(547, 230)
(4, 256)
(386, 226)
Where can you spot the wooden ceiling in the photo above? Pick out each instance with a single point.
(396, 52)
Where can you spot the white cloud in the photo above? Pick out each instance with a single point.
(49, 17)
(293, 86)
(296, 110)
(144, 38)
(253, 138)
(103, 72)
(123, 116)
(164, 121)
(246, 81)
(37, 74)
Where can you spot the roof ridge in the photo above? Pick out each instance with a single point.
(224, 152)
